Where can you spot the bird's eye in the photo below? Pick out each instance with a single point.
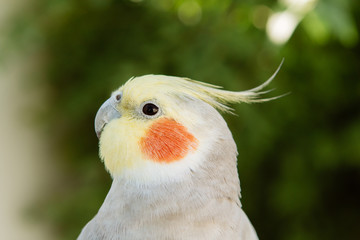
(150, 109)
(118, 97)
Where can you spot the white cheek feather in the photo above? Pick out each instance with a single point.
(151, 172)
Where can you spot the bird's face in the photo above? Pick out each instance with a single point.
(149, 131)
(160, 128)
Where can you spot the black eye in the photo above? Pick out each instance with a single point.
(118, 97)
(150, 109)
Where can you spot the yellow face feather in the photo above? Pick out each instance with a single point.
(119, 146)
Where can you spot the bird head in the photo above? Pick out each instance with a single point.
(156, 127)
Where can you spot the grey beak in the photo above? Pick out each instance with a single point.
(105, 114)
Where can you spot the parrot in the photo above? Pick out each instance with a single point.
(173, 162)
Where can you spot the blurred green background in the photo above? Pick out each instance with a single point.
(299, 156)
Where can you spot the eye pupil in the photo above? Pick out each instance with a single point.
(118, 97)
(150, 109)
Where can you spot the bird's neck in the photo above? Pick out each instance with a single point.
(195, 190)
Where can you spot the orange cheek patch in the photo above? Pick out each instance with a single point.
(167, 141)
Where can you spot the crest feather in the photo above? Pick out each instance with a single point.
(219, 98)
(209, 93)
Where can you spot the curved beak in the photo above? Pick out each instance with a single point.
(105, 114)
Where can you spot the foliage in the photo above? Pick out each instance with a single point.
(299, 156)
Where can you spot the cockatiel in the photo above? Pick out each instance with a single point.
(173, 162)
